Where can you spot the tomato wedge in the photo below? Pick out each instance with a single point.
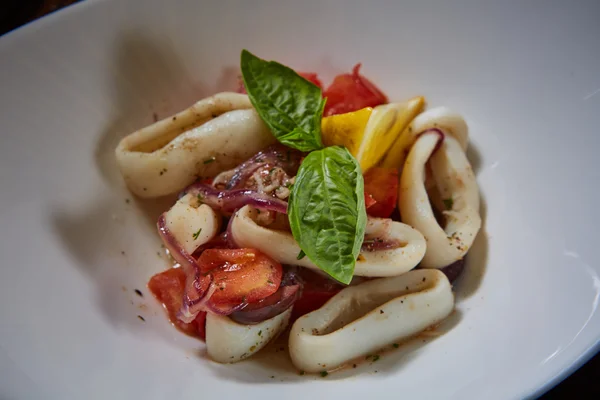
(240, 275)
(309, 76)
(317, 291)
(168, 287)
(369, 200)
(352, 92)
(382, 185)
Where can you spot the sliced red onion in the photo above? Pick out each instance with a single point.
(377, 244)
(274, 156)
(231, 200)
(440, 140)
(454, 270)
(229, 234)
(379, 239)
(224, 309)
(195, 284)
(269, 307)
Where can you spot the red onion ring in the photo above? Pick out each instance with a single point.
(229, 234)
(224, 309)
(194, 282)
(269, 307)
(378, 244)
(231, 200)
(276, 156)
(454, 270)
(440, 140)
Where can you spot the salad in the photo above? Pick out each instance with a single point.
(331, 216)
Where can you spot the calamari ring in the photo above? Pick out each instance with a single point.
(455, 182)
(435, 118)
(281, 246)
(191, 224)
(362, 319)
(213, 135)
(229, 342)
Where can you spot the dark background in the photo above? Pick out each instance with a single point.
(583, 384)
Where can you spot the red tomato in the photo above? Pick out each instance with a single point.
(241, 275)
(317, 290)
(309, 76)
(369, 200)
(200, 323)
(382, 185)
(168, 287)
(351, 92)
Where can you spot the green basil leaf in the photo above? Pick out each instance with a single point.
(291, 106)
(327, 212)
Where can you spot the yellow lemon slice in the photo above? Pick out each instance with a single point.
(369, 133)
(346, 129)
(397, 153)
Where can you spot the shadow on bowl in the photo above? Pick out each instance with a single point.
(273, 363)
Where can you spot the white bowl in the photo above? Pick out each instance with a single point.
(76, 244)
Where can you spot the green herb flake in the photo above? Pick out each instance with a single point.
(195, 235)
(448, 203)
(396, 345)
(375, 357)
(290, 106)
(324, 374)
(208, 161)
(326, 211)
(259, 333)
(302, 372)
(301, 255)
(200, 198)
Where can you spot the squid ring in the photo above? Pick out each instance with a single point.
(281, 246)
(362, 319)
(213, 135)
(192, 226)
(229, 342)
(438, 118)
(456, 184)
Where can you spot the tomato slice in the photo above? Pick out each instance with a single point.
(168, 287)
(241, 275)
(352, 92)
(317, 290)
(309, 76)
(369, 200)
(382, 185)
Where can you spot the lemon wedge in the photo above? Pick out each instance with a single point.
(346, 129)
(397, 153)
(369, 133)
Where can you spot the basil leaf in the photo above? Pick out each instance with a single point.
(290, 105)
(327, 211)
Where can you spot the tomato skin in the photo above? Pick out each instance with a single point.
(168, 287)
(241, 275)
(352, 92)
(369, 200)
(382, 185)
(200, 324)
(316, 292)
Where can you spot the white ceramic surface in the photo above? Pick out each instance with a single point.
(524, 73)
